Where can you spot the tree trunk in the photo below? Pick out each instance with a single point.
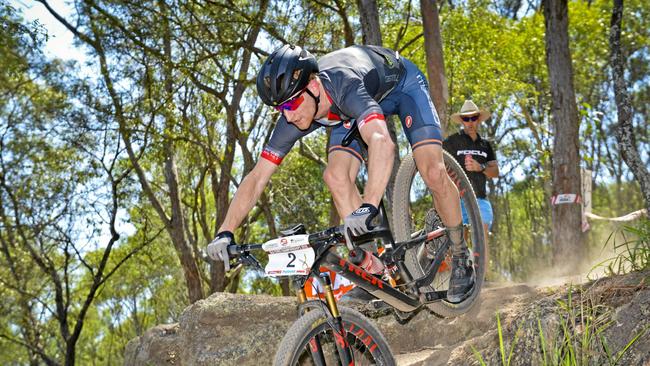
(176, 223)
(435, 59)
(369, 18)
(341, 9)
(625, 129)
(566, 219)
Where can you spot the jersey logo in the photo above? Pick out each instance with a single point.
(408, 121)
(472, 152)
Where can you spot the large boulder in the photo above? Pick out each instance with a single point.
(227, 329)
(224, 329)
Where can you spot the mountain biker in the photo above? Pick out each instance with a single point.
(362, 84)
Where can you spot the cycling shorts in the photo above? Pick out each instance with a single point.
(409, 100)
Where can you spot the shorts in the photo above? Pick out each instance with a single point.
(409, 100)
(486, 212)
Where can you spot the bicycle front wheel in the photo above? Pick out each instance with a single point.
(312, 340)
(413, 211)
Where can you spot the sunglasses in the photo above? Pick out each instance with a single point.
(292, 104)
(471, 118)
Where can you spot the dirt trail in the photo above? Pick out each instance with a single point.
(437, 338)
(451, 340)
(232, 329)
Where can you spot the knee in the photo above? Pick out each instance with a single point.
(336, 180)
(435, 176)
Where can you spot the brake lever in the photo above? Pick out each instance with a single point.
(248, 260)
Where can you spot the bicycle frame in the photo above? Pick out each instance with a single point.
(379, 288)
(324, 244)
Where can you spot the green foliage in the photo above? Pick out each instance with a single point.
(572, 335)
(631, 252)
(299, 194)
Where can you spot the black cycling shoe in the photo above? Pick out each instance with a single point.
(461, 278)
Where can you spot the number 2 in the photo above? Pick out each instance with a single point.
(293, 258)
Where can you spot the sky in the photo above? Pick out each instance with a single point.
(60, 41)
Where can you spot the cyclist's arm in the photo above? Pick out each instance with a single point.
(247, 194)
(381, 151)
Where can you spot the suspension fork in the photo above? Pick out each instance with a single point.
(340, 337)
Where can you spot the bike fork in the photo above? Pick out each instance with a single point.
(342, 345)
(315, 347)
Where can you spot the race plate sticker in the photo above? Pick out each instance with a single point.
(289, 256)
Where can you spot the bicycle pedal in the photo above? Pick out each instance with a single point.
(378, 305)
(432, 296)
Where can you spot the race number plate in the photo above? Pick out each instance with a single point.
(289, 256)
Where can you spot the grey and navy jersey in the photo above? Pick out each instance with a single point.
(355, 80)
(365, 83)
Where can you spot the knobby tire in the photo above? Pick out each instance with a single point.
(369, 345)
(403, 226)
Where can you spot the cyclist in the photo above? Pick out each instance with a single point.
(362, 84)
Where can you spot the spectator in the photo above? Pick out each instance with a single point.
(476, 155)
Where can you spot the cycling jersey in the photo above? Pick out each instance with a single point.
(364, 83)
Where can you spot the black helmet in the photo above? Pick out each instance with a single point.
(285, 73)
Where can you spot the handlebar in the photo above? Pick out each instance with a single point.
(332, 236)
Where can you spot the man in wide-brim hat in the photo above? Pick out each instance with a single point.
(470, 113)
(476, 156)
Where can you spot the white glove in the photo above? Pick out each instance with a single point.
(358, 222)
(218, 248)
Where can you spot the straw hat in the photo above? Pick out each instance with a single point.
(470, 109)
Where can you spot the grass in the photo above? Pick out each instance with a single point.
(632, 251)
(579, 337)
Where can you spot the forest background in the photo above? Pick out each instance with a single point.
(116, 170)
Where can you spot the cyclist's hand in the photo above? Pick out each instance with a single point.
(218, 248)
(358, 222)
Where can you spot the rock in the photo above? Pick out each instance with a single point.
(227, 329)
(224, 329)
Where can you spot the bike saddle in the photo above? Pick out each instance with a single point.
(352, 135)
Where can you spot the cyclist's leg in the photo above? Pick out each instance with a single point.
(341, 172)
(428, 159)
(421, 125)
(422, 128)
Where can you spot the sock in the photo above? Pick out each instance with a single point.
(455, 234)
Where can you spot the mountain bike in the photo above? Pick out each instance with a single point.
(326, 333)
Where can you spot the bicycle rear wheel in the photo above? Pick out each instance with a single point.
(413, 210)
(312, 330)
